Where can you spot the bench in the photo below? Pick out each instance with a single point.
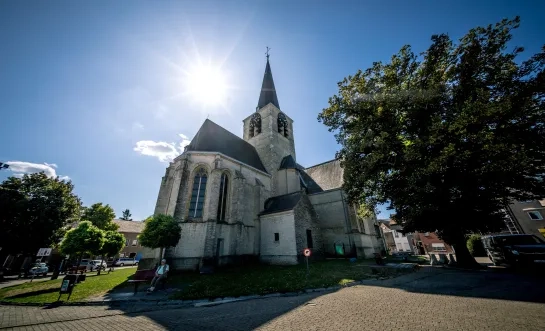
(141, 276)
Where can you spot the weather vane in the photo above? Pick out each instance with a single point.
(267, 53)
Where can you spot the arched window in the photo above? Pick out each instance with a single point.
(197, 194)
(282, 125)
(222, 202)
(255, 125)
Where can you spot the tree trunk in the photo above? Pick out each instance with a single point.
(463, 257)
(100, 267)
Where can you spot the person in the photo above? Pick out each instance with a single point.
(160, 274)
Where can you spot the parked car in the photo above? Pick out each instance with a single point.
(98, 264)
(38, 269)
(125, 261)
(515, 249)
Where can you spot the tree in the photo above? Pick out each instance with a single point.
(126, 215)
(475, 245)
(101, 216)
(86, 238)
(113, 244)
(161, 231)
(448, 138)
(35, 211)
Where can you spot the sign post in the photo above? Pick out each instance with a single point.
(307, 253)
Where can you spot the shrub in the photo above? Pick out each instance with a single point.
(475, 245)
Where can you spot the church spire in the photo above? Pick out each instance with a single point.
(268, 92)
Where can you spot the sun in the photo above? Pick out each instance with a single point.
(207, 85)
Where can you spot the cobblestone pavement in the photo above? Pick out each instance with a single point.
(426, 300)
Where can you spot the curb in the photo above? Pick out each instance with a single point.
(198, 302)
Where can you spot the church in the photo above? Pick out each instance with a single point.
(242, 200)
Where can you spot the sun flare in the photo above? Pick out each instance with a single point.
(207, 85)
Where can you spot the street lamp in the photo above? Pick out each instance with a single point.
(3, 165)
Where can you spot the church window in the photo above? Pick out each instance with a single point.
(255, 125)
(282, 125)
(309, 239)
(222, 203)
(277, 236)
(197, 194)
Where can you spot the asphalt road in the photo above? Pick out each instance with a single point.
(431, 299)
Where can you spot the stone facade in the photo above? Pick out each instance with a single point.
(260, 210)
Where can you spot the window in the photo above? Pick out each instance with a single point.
(134, 242)
(255, 125)
(197, 194)
(277, 236)
(309, 239)
(535, 215)
(222, 203)
(282, 125)
(126, 242)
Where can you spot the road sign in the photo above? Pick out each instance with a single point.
(44, 252)
(307, 252)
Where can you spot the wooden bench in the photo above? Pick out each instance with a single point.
(141, 276)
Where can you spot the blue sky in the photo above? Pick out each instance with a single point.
(97, 90)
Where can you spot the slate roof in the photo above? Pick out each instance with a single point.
(281, 203)
(213, 138)
(129, 226)
(288, 163)
(268, 92)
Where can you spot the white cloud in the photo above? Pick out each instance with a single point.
(19, 168)
(137, 126)
(162, 150)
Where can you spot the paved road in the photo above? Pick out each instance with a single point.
(431, 299)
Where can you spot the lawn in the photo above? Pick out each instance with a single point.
(48, 291)
(261, 280)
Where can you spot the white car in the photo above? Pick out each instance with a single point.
(125, 261)
(38, 269)
(97, 264)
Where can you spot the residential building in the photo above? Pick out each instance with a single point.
(131, 230)
(429, 243)
(395, 239)
(528, 217)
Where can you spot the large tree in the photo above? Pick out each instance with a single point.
(449, 137)
(161, 231)
(84, 239)
(126, 216)
(101, 216)
(35, 211)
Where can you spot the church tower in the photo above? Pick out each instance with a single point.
(269, 129)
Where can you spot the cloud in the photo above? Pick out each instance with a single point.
(137, 126)
(20, 168)
(162, 150)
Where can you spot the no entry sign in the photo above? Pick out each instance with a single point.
(307, 252)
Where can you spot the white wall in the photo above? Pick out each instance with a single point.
(284, 251)
(401, 241)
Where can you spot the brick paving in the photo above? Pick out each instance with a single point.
(427, 300)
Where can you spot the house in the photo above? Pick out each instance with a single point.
(248, 199)
(131, 230)
(528, 217)
(395, 239)
(429, 243)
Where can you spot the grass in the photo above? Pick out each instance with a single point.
(48, 291)
(261, 280)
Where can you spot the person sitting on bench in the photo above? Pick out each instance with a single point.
(160, 275)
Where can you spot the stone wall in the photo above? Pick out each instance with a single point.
(329, 175)
(283, 251)
(306, 219)
(287, 181)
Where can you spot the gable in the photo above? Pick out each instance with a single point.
(327, 175)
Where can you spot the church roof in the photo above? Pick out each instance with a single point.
(281, 203)
(268, 92)
(213, 138)
(288, 163)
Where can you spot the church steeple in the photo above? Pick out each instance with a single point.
(268, 92)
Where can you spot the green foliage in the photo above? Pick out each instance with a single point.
(101, 216)
(86, 238)
(161, 231)
(34, 212)
(475, 245)
(126, 215)
(447, 138)
(113, 243)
